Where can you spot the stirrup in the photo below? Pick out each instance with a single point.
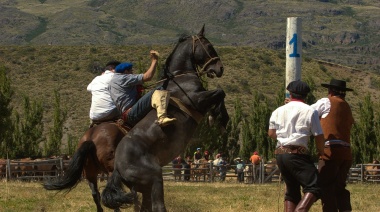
(164, 121)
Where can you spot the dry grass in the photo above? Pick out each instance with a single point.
(207, 197)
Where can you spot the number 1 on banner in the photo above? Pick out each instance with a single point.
(294, 42)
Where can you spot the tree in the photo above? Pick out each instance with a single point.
(53, 145)
(6, 126)
(363, 135)
(231, 141)
(28, 131)
(255, 127)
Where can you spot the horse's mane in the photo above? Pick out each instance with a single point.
(182, 38)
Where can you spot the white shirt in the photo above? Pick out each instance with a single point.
(294, 123)
(322, 106)
(101, 102)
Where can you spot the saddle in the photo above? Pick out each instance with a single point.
(119, 123)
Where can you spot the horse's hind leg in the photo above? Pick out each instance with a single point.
(93, 183)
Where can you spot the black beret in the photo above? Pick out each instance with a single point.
(298, 87)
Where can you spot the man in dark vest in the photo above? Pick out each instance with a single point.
(336, 121)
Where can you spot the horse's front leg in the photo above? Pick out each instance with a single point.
(207, 99)
(220, 111)
(213, 101)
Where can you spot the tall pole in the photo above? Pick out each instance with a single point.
(293, 51)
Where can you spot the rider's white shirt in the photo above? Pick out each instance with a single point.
(101, 103)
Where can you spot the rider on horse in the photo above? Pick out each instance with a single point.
(123, 88)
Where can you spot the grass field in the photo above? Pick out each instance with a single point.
(194, 197)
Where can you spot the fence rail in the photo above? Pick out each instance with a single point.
(45, 169)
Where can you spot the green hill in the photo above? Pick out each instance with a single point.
(37, 71)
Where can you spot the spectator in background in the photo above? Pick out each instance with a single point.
(177, 167)
(336, 120)
(240, 165)
(222, 165)
(218, 158)
(206, 155)
(187, 169)
(255, 160)
(197, 155)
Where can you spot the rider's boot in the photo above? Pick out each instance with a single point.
(160, 101)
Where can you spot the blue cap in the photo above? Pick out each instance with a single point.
(198, 148)
(122, 67)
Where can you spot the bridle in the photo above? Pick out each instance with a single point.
(202, 71)
(199, 72)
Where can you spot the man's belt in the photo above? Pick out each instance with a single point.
(331, 143)
(291, 149)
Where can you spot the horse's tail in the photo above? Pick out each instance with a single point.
(74, 170)
(113, 195)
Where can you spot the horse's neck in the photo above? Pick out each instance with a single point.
(180, 62)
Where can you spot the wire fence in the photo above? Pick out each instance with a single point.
(46, 169)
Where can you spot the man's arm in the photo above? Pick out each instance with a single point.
(148, 75)
(272, 133)
(320, 143)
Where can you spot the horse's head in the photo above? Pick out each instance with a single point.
(205, 56)
(195, 53)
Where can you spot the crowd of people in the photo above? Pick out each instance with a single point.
(117, 93)
(219, 163)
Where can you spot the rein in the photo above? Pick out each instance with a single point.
(189, 111)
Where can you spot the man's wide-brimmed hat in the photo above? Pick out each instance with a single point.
(337, 84)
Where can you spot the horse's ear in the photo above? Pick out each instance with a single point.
(201, 33)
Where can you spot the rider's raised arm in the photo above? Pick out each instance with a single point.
(148, 75)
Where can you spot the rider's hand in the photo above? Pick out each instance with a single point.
(154, 55)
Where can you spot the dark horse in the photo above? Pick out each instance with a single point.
(94, 155)
(147, 147)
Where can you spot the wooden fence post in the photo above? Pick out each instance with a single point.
(8, 170)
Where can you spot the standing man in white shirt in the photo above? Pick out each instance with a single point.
(102, 107)
(292, 125)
